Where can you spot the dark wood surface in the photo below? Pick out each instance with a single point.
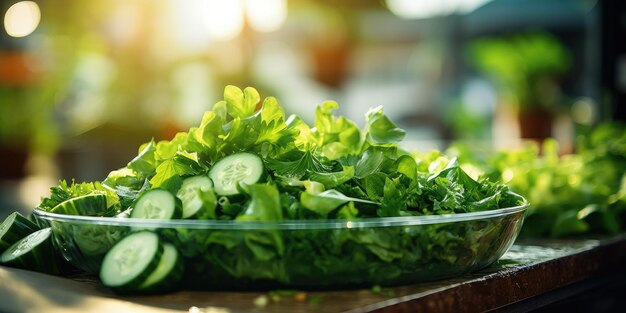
(520, 281)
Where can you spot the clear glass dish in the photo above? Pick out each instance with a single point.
(306, 254)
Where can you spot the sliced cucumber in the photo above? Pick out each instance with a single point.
(14, 228)
(90, 205)
(168, 272)
(227, 173)
(195, 194)
(33, 252)
(157, 204)
(127, 265)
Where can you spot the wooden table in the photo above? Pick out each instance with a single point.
(531, 275)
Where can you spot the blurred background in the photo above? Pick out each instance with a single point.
(84, 83)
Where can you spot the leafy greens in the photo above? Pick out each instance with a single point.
(330, 170)
(574, 194)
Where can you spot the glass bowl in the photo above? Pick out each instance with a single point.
(304, 254)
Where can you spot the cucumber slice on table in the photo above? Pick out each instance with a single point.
(127, 265)
(157, 204)
(198, 198)
(168, 272)
(90, 205)
(227, 173)
(14, 228)
(33, 252)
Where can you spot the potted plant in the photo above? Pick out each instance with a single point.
(27, 124)
(526, 69)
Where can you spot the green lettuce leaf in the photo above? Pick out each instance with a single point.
(170, 173)
(300, 167)
(145, 162)
(241, 104)
(333, 179)
(325, 202)
(336, 136)
(380, 129)
(264, 204)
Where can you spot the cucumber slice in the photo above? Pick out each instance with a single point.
(168, 272)
(195, 203)
(14, 228)
(33, 252)
(227, 173)
(157, 204)
(90, 205)
(127, 265)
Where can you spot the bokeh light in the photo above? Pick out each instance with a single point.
(22, 18)
(411, 9)
(266, 15)
(224, 19)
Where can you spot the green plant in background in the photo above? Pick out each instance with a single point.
(28, 112)
(524, 66)
(467, 123)
(29, 107)
(575, 194)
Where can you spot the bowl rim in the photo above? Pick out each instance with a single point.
(284, 224)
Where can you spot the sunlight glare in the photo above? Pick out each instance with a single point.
(224, 19)
(266, 15)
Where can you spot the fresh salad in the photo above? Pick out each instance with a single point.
(247, 162)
